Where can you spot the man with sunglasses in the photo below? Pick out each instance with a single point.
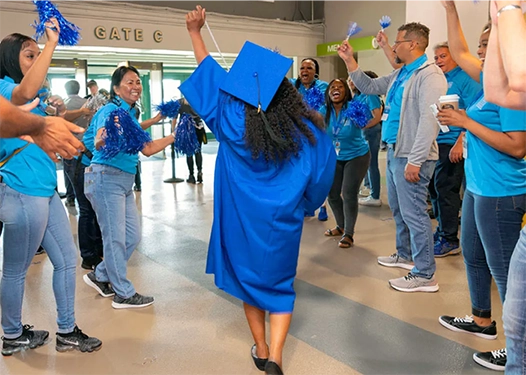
(410, 131)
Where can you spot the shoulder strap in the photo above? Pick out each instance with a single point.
(18, 150)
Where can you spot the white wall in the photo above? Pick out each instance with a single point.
(473, 17)
(367, 14)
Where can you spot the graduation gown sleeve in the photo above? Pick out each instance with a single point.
(323, 161)
(201, 90)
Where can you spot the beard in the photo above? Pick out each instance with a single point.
(397, 60)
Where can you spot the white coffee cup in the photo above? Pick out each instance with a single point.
(449, 101)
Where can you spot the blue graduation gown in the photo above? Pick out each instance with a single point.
(258, 207)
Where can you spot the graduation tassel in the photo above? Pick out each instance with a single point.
(169, 109)
(123, 134)
(186, 142)
(359, 113)
(217, 46)
(69, 33)
(314, 98)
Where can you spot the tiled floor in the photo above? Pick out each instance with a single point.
(347, 320)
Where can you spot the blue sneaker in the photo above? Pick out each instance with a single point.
(443, 248)
(322, 215)
(436, 236)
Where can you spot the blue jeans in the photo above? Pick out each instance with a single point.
(489, 232)
(28, 222)
(444, 190)
(110, 192)
(408, 202)
(515, 310)
(90, 238)
(373, 135)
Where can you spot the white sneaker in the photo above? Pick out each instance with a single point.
(365, 192)
(370, 201)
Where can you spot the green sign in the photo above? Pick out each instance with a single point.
(358, 44)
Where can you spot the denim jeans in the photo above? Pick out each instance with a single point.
(408, 203)
(444, 190)
(347, 180)
(373, 135)
(489, 232)
(28, 222)
(110, 192)
(515, 310)
(90, 238)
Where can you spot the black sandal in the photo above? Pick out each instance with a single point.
(331, 233)
(259, 362)
(344, 243)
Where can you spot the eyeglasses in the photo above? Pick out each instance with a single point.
(401, 41)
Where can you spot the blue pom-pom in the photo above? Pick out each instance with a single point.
(169, 109)
(186, 142)
(385, 22)
(359, 113)
(69, 33)
(353, 29)
(123, 135)
(314, 98)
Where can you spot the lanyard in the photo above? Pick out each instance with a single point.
(400, 79)
(338, 124)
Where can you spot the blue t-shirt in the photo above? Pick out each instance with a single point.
(31, 171)
(460, 83)
(372, 101)
(122, 161)
(489, 172)
(393, 103)
(347, 138)
(322, 85)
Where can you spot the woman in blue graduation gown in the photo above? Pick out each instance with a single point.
(263, 183)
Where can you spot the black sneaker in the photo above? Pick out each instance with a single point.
(40, 251)
(468, 325)
(495, 360)
(191, 179)
(90, 263)
(28, 339)
(78, 341)
(200, 177)
(134, 302)
(104, 289)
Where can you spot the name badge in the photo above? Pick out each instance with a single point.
(465, 147)
(337, 147)
(385, 115)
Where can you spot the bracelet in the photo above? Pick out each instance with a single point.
(508, 7)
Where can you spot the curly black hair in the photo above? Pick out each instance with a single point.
(282, 137)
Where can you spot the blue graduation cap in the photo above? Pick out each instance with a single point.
(256, 75)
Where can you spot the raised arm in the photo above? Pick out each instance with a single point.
(383, 42)
(35, 76)
(496, 83)
(195, 21)
(457, 43)
(362, 81)
(512, 33)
